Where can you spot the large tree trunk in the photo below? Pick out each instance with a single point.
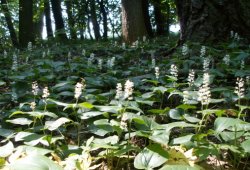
(8, 19)
(203, 20)
(25, 22)
(145, 8)
(95, 23)
(48, 19)
(57, 11)
(104, 18)
(133, 23)
(71, 20)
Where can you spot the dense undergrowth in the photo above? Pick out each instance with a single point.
(110, 106)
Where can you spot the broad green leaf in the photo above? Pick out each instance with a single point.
(186, 106)
(182, 139)
(20, 121)
(160, 89)
(109, 109)
(148, 159)
(160, 136)
(191, 119)
(86, 105)
(222, 123)
(35, 114)
(170, 126)
(145, 123)
(246, 145)
(176, 114)
(6, 150)
(181, 167)
(34, 162)
(53, 125)
(6, 132)
(87, 115)
(2, 83)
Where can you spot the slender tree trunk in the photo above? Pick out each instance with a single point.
(89, 29)
(159, 18)
(145, 7)
(104, 17)
(95, 23)
(71, 20)
(25, 22)
(48, 18)
(213, 20)
(8, 19)
(133, 23)
(57, 11)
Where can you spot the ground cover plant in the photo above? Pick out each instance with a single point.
(108, 105)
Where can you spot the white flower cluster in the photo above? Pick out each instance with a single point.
(33, 105)
(191, 77)
(100, 61)
(185, 49)
(153, 63)
(5, 54)
(242, 65)
(239, 88)
(119, 92)
(235, 36)
(111, 62)
(91, 59)
(29, 47)
(45, 93)
(69, 56)
(226, 59)
(14, 63)
(83, 52)
(79, 87)
(144, 38)
(123, 46)
(174, 70)
(204, 90)
(206, 63)
(44, 54)
(157, 72)
(128, 90)
(203, 51)
(35, 88)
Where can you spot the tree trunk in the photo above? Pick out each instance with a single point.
(213, 20)
(48, 19)
(71, 20)
(57, 11)
(160, 20)
(38, 20)
(145, 7)
(105, 19)
(95, 23)
(10, 26)
(133, 23)
(25, 22)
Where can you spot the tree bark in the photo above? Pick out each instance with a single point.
(25, 22)
(71, 20)
(160, 17)
(13, 36)
(95, 23)
(133, 23)
(104, 18)
(48, 19)
(145, 7)
(57, 11)
(213, 20)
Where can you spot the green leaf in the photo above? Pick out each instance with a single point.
(176, 114)
(6, 132)
(2, 83)
(160, 136)
(182, 139)
(181, 167)
(34, 162)
(145, 123)
(6, 150)
(86, 105)
(222, 123)
(35, 114)
(246, 145)
(20, 121)
(191, 119)
(148, 159)
(53, 125)
(88, 115)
